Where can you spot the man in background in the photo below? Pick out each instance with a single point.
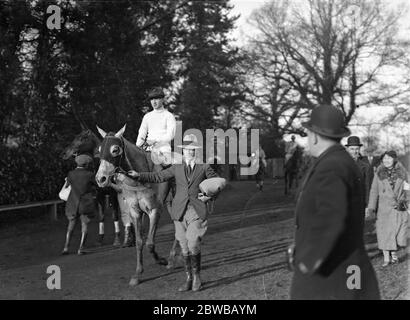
(330, 219)
(353, 147)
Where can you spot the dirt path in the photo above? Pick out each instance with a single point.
(243, 258)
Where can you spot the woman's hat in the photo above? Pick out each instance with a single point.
(156, 93)
(391, 153)
(327, 121)
(353, 141)
(83, 160)
(190, 142)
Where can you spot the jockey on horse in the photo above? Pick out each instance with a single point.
(156, 132)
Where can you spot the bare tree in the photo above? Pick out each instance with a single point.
(331, 52)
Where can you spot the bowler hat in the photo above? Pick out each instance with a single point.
(190, 142)
(353, 141)
(156, 93)
(327, 121)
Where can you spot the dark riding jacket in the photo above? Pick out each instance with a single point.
(187, 188)
(82, 198)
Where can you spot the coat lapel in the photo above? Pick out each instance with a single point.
(194, 174)
(185, 172)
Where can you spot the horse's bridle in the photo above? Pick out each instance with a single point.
(119, 169)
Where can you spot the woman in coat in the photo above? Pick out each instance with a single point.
(388, 194)
(81, 202)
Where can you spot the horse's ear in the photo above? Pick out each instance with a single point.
(121, 131)
(101, 132)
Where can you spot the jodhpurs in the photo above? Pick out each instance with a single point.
(190, 231)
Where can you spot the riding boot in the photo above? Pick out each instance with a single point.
(188, 270)
(82, 243)
(196, 269)
(67, 242)
(117, 241)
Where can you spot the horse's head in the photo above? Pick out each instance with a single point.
(111, 152)
(84, 142)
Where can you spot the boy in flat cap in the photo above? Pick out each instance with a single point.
(81, 202)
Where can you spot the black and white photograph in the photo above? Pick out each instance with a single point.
(212, 153)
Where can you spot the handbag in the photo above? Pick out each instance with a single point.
(65, 191)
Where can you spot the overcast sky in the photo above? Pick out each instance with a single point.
(387, 135)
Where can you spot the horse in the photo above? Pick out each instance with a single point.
(117, 157)
(86, 142)
(292, 168)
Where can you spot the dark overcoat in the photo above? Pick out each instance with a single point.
(329, 232)
(367, 176)
(187, 188)
(82, 198)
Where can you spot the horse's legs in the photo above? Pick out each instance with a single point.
(124, 210)
(172, 254)
(136, 217)
(290, 180)
(101, 219)
(163, 195)
(116, 218)
(297, 179)
(286, 182)
(153, 223)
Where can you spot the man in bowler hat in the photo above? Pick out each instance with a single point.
(353, 147)
(329, 257)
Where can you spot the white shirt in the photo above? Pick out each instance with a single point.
(158, 126)
(190, 163)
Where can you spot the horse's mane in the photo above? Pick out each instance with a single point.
(139, 159)
(82, 142)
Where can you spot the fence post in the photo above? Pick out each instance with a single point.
(53, 211)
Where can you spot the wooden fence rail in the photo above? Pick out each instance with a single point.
(52, 204)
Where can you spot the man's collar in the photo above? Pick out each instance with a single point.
(190, 161)
(332, 148)
(159, 110)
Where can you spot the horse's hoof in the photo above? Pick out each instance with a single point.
(162, 262)
(81, 252)
(134, 281)
(65, 252)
